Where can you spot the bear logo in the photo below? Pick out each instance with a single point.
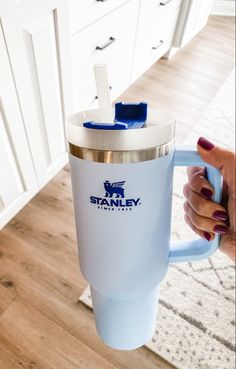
(114, 188)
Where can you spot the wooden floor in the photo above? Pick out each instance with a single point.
(186, 84)
(42, 324)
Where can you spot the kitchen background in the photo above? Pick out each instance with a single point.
(48, 49)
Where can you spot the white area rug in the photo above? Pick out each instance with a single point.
(195, 325)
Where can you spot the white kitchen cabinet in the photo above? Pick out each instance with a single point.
(151, 11)
(193, 17)
(18, 181)
(127, 39)
(107, 41)
(34, 98)
(36, 34)
(85, 12)
(154, 37)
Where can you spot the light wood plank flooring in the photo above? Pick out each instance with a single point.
(42, 324)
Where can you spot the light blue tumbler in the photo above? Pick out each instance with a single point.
(122, 191)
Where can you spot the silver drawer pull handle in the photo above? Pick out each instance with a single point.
(158, 45)
(163, 2)
(96, 97)
(102, 1)
(111, 40)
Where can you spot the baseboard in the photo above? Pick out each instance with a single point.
(171, 52)
(223, 7)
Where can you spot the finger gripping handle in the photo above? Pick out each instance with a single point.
(191, 250)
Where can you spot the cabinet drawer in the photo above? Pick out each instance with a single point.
(101, 41)
(85, 12)
(154, 10)
(154, 43)
(119, 72)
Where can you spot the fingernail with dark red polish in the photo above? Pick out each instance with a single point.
(205, 144)
(220, 229)
(207, 236)
(207, 193)
(220, 215)
(205, 173)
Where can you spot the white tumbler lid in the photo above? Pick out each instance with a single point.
(125, 324)
(159, 130)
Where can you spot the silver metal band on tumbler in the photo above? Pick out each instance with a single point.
(112, 157)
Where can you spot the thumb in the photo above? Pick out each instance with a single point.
(219, 158)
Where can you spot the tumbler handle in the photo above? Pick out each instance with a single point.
(191, 250)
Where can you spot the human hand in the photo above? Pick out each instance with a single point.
(202, 214)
